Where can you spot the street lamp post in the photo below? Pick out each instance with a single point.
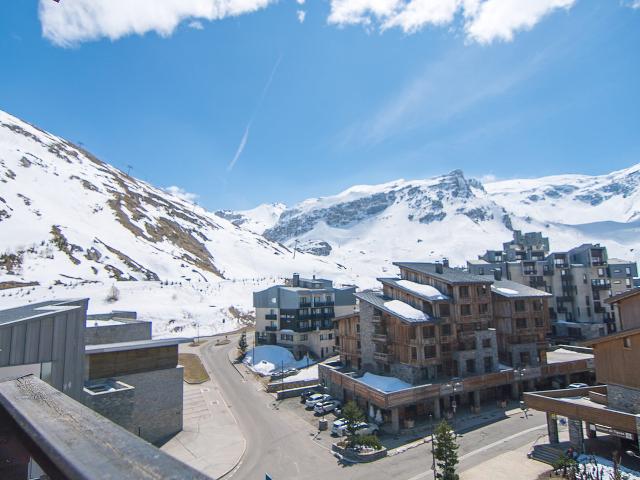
(433, 453)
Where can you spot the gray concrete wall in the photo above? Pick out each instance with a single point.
(155, 410)
(624, 398)
(126, 332)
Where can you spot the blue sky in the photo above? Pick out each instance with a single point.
(345, 97)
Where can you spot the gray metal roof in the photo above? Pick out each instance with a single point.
(505, 288)
(378, 300)
(135, 345)
(34, 310)
(394, 283)
(448, 275)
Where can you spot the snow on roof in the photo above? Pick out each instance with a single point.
(508, 291)
(561, 355)
(425, 290)
(102, 323)
(385, 384)
(406, 311)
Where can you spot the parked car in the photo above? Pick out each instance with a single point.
(326, 406)
(306, 394)
(316, 398)
(578, 385)
(362, 428)
(284, 373)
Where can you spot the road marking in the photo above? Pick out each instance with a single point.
(483, 449)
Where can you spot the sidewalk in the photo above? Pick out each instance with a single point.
(211, 440)
(506, 466)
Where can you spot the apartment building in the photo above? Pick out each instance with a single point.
(299, 315)
(626, 306)
(436, 338)
(579, 281)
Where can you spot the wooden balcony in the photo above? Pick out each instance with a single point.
(379, 337)
(377, 319)
(382, 357)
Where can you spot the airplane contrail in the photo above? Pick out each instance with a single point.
(245, 136)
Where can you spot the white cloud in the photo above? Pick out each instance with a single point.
(71, 22)
(301, 15)
(488, 178)
(631, 3)
(482, 20)
(243, 143)
(182, 194)
(500, 19)
(300, 2)
(196, 25)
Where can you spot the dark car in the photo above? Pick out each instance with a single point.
(306, 394)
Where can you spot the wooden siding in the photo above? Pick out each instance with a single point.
(113, 364)
(613, 361)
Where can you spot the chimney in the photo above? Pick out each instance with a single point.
(439, 268)
(296, 280)
(445, 262)
(497, 274)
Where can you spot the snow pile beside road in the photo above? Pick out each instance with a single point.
(385, 384)
(269, 359)
(605, 467)
(306, 374)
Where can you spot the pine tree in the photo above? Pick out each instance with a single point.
(242, 344)
(353, 415)
(445, 452)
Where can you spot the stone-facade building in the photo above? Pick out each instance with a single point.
(626, 306)
(131, 378)
(299, 315)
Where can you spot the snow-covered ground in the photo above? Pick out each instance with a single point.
(305, 374)
(385, 384)
(605, 468)
(270, 359)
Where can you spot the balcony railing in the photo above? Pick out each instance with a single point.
(324, 304)
(377, 319)
(382, 356)
(271, 328)
(70, 441)
(305, 304)
(271, 316)
(379, 337)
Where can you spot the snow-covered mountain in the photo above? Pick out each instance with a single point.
(457, 217)
(72, 225)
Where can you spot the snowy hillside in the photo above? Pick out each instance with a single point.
(71, 225)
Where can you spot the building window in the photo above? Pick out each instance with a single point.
(446, 347)
(537, 305)
(358, 327)
(429, 351)
(481, 290)
(486, 343)
(465, 310)
(428, 331)
(414, 353)
(539, 322)
(626, 342)
(471, 366)
(359, 345)
(444, 309)
(520, 306)
(601, 272)
(627, 270)
(521, 323)
(445, 329)
(464, 292)
(483, 308)
(304, 337)
(286, 337)
(488, 364)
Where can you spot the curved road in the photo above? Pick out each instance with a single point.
(282, 444)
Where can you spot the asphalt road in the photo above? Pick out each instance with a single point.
(281, 444)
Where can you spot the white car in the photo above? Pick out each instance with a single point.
(578, 385)
(326, 406)
(316, 398)
(362, 428)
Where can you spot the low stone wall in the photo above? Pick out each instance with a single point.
(359, 457)
(294, 392)
(278, 385)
